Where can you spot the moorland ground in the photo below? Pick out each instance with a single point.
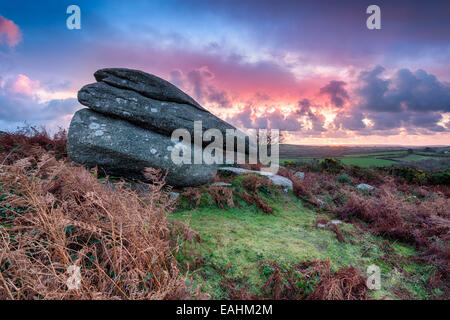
(248, 240)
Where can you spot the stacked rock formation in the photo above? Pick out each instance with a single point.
(128, 126)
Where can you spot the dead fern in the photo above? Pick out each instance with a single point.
(57, 215)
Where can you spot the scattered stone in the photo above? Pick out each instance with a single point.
(366, 187)
(174, 195)
(280, 181)
(220, 184)
(300, 175)
(237, 170)
(276, 179)
(326, 225)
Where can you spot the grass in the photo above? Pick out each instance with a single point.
(238, 239)
(56, 216)
(287, 160)
(373, 154)
(416, 157)
(366, 162)
(374, 159)
(54, 213)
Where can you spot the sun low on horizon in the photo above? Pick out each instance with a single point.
(312, 69)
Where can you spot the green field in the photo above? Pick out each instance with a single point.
(375, 158)
(383, 154)
(366, 162)
(284, 160)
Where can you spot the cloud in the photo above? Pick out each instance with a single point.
(277, 120)
(218, 97)
(349, 121)
(176, 78)
(248, 119)
(24, 85)
(199, 83)
(336, 92)
(225, 69)
(412, 121)
(243, 118)
(198, 78)
(414, 101)
(9, 32)
(316, 120)
(29, 109)
(405, 91)
(20, 101)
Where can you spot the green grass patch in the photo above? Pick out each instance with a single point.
(374, 154)
(294, 160)
(238, 239)
(416, 157)
(366, 162)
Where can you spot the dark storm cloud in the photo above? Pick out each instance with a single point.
(414, 100)
(405, 91)
(350, 121)
(336, 92)
(411, 121)
(421, 91)
(373, 90)
(386, 122)
(427, 121)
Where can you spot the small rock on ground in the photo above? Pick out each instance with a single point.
(300, 175)
(276, 179)
(364, 186)
(333, 222)
(220, 184)
(174, 195)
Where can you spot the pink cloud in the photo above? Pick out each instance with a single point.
(24, 85)
(239, 78)
(9, 32)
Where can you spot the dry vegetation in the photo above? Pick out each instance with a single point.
(407, 212)
(55, 214)
(224, 197)
(308, 280)
(314, 280)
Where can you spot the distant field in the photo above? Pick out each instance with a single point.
(366, 162)
(380, 158)
(375, 154)
(284, 160)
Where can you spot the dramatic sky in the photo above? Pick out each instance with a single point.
(309, 67)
